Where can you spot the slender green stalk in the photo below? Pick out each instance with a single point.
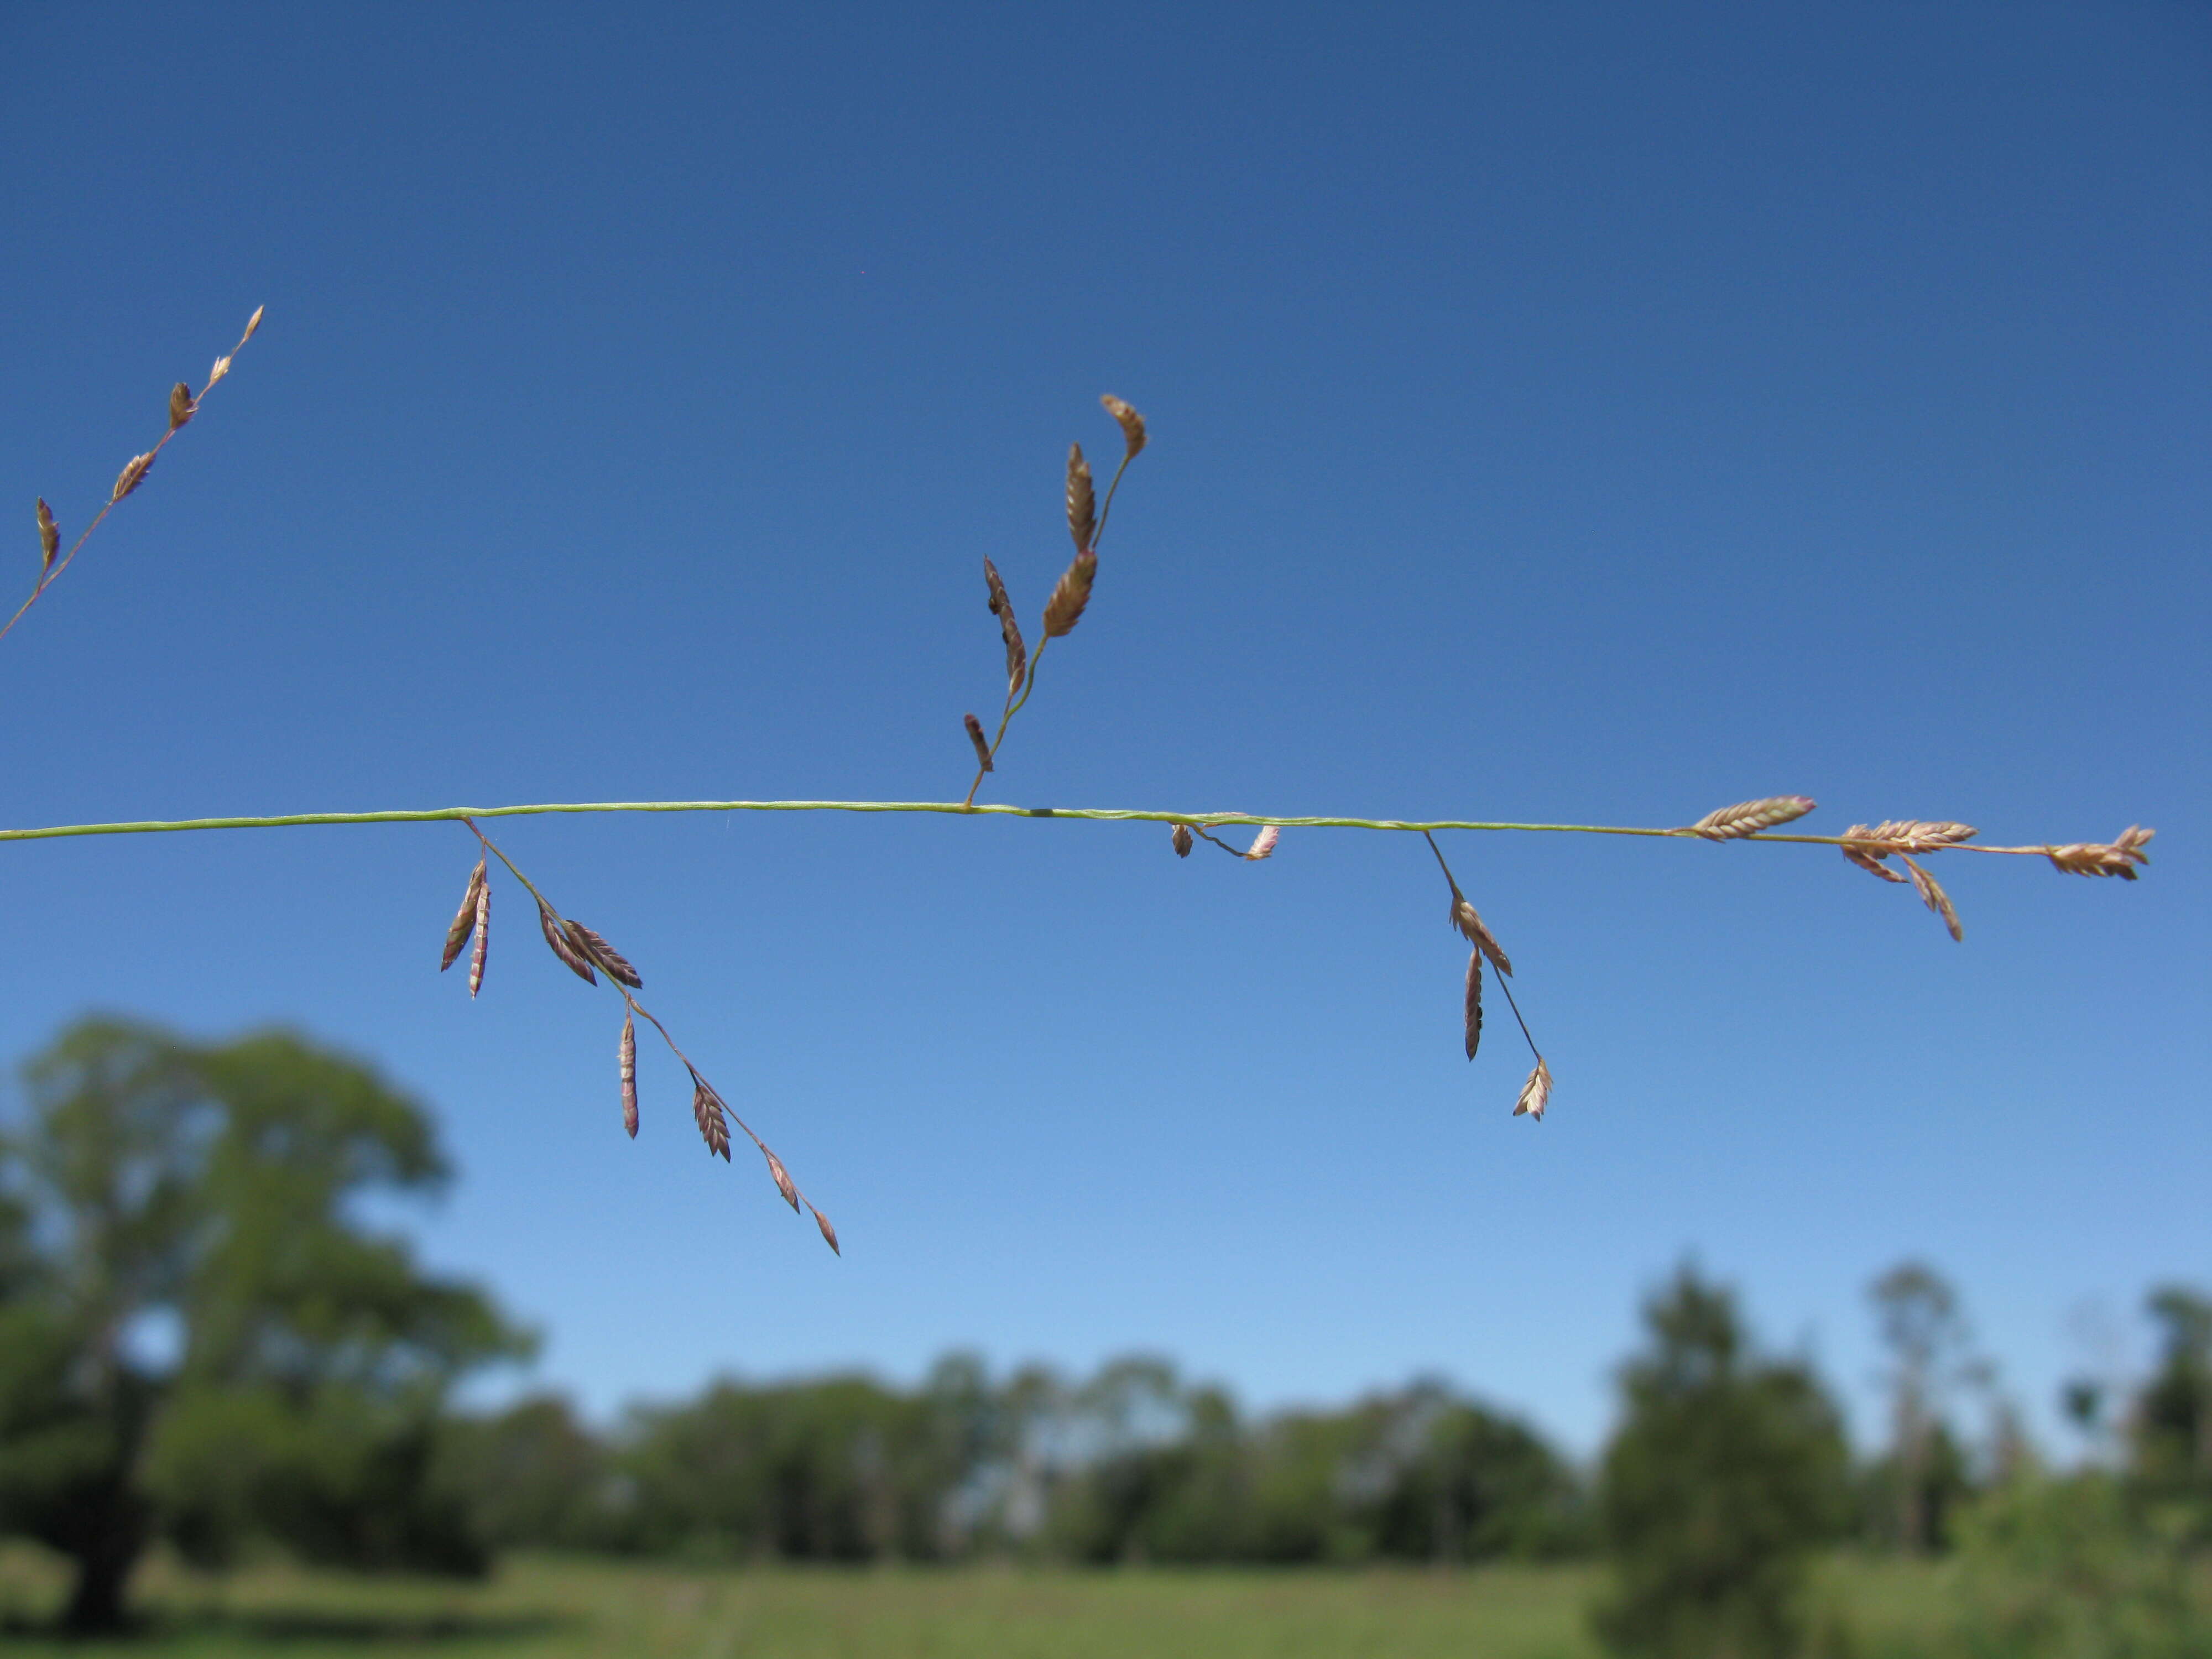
(953, 808)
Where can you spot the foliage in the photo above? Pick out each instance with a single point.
(200, 1338)
(2171, 1431)
(1726, 1471)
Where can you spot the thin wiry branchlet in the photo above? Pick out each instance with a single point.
(558, 943)
(1065, 608)
(49, 536)
(1474, 1001)
(784, 1183)
(2117, 857)
(1535, 1093)
(982, 744)
(1933, 896)
(464, 919)
(483, 947)
(626, 1063)
(1748, 817)
(1082, 500)
(133, 474)
(829, 1233)
(1130, 423)
(1263, 844)
(1184, 840)
(1010, 630)
(712, 1117)
(180, 404)
(1469, 926)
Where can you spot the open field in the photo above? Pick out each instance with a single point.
(548, 1607)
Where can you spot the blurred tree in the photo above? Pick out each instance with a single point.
(1917, 1314)
(2171, 1430)
(198, 1336)
(1725, 1472)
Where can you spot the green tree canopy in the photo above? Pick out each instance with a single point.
(197, 1334)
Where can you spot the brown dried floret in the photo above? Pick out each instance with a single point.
(2116, 858)
(712, 1117)
(1082, 500)
(1748, 817)
(982, 744)
(181, 407)
(1184, 840)
(1130, 423)
(1865, 853)
(1933, 896)
(626, 1063)
(1474, 1001)
(559, 943)
(133, 474)
(1536, 1092)
(829, 1233)
(784, 1183)
(1469, 926)
(595, 948)
(1065, 608)
(1009, 629)
(464, 919)
(482, 948)
(49, 536)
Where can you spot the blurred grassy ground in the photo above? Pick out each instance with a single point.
(549, 1608)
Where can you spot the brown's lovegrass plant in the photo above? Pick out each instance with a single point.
(588, 954)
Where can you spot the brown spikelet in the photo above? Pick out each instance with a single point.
(181, 407)
(1748, 817)
(251, 323)
(1130, 423)
(1536, 1092)
(982, 744)
(1909, 835)
(1474, 1001)
(1184, 840)
(1081, 502)
(711, 1116)
(593, 948)
(133, 474)
(784, 1183)
(1864, 852)
(829, 1233)
(1469, 926)
(626, 1063)
(558, 942)
(49, 536)
(1065, 608)
(1010, 630)
(464, 919)
(1263, 844)
(1933, 896)
(2116, 858)
(483, 937)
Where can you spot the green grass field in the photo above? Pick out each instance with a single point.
(546, 1608)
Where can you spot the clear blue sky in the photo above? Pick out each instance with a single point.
(1585, 412)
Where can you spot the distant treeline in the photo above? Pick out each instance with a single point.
(1132, 1465)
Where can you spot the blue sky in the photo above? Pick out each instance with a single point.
(1599, 413)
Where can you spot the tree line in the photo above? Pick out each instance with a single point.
(200, 1343)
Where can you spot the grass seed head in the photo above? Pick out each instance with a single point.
(49, 536)
(1184, 840)
(1263, 844)
(784, 1183)
(1861, 850)
(982, 744)
(2116, 858)
(1082, 500)
(1065, 608)
(595, 948)
(1474, 1001)
(1933, 896)
(559, 944)
(1130, 423)
(180, 405)
(1535, 1093)
(1748, 817)
(626, 1063)
(251, 323)
(1469, 926)
(1010, 630)
(1909, 835)
(133, 474)
(464, 919)
(483, 947)
(221, 368)
(829, 1233)
(708, 1112)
